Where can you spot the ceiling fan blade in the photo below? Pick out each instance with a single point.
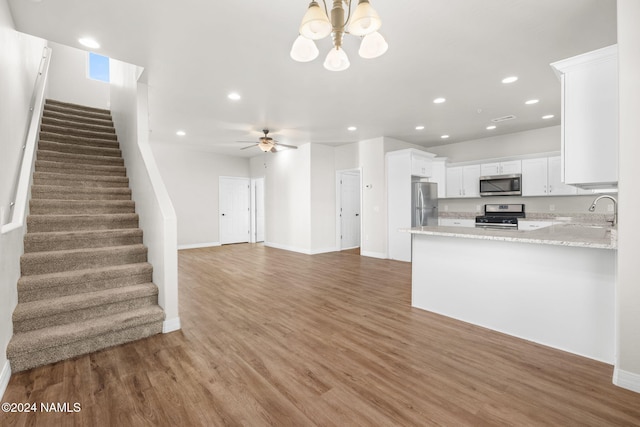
(251, 146)
(288, 146)
(246, 142)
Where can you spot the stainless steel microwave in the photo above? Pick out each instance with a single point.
(501, 185)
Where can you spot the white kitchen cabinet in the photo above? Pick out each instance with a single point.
(541, 177)
(527, 225)
(590, 118)
(421, 165)
(439, 175)
(501, 168)
(463, 181)
(456, 222)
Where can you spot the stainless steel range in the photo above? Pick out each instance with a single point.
(501, 216)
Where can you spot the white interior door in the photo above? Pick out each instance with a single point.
(234, 198)
(257, 198)
(350, 210)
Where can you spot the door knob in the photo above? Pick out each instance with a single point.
(222, 214)
(357, 214)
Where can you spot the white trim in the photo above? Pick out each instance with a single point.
(379, 255)
(628, 380)
(5, 376)
(300, 250)
(170, 325)
(339, 174)
(199, 245)
(323, 250)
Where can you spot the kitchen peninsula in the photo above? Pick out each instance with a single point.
(554, 286)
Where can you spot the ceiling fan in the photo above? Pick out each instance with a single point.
(266, 143)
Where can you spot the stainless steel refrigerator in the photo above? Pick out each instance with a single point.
(424, 204)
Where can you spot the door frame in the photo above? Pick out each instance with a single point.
(339, 174)
(253, 238)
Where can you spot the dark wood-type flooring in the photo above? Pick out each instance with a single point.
(271, 337)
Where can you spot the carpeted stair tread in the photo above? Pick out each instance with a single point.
(79, 169)
(34, 348)
(47, 223)
(77, 180)
(53, 285)
(78, 107)
(78, 140)
(85, 159)
(66, 130)
(80, 193)
(103, 115)
(82, 307)
(70, 116)
(62, 147)
(80, 259)
(75, 125)
(74, 207)
(65, 240)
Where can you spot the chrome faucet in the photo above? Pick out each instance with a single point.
(615, 207)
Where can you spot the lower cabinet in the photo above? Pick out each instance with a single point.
(454, 222)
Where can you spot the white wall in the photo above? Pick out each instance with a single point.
(129, 109)
(20, 56)
(68, 81)
(323, 199)
(191, 177)
(542, 140)
(374, 198)
(627, 370)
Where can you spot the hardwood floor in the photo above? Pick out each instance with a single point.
(278, 338)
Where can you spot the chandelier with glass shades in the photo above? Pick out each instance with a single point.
(316, 25)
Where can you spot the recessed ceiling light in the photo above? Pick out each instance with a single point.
(439, 100)
(444, 136)
(532, 101)
(90, 43)
(234, 96)
(181, 133)
(352, 128)
(509, 79)
(419, 127)
(548, 116)
(492, 127)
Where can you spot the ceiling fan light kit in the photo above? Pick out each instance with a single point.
(266, 143)
(316, 25)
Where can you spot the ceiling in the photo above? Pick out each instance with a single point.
(196, 52)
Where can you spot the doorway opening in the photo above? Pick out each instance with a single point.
(348, 208)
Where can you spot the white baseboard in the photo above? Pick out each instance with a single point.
(628, 380)
(324, 250)
(5, 376)
(199, 245)
(170, 325)
(373, 254)
(286, 248)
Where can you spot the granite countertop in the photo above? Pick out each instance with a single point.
(562, 234)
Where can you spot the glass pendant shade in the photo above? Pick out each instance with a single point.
(365, 20)
(336, 60)
(315, 23)
(304, 50)
(266, 146)
(373, 46)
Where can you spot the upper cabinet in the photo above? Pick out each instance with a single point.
(501, 168)
(590, 118)
(421, 165)
(541, 177)
(463, 181)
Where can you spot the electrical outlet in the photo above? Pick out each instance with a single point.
(477, 208)
(609, 208)
(552, 208)
(446, 208)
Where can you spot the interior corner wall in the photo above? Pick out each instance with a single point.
(191, 176)
(20, 56)
(323, 199)
(392, 144)
(627, 369)
(68, 81)
(374, 200)
(543, 140)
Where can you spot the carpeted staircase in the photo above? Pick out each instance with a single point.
(86, 283)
